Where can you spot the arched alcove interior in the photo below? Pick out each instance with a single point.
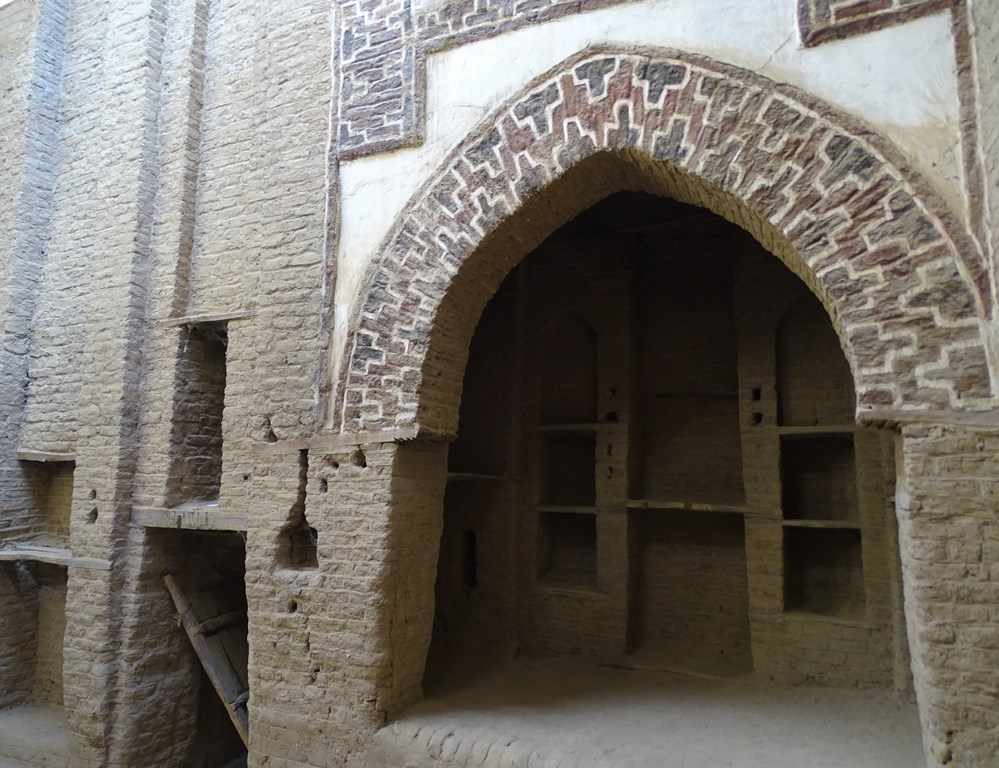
(657, 465)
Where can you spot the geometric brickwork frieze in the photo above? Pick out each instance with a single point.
(902, 284)
(383, 46)
(823, 20)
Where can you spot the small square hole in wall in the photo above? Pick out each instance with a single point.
(567, 549)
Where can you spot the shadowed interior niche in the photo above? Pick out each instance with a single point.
(199, 401)
(656, 466)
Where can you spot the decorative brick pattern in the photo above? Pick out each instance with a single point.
(823, 20)
(379, 108)
(838, 206)
(383, 50)
(463, 21)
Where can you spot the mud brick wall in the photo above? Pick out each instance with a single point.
(692, 602)
(950, 551)
(348, 637)
(47, 689)
(117, 122)
(52, 411)
(181, 90)
(18, 633)
(275, 227)
(31, 58)
(18, 23)
(175, 163)
(31, 50)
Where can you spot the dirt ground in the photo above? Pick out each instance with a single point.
(558, 712)
(547, 713)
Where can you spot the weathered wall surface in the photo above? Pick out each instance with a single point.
(260, 239)
(17, 38)
(18, 271)
(947, 531)
(54, 388)
(31, 50)
(224, 167)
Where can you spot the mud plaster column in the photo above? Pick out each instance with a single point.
(118, 247)
(948, 488)
(339, 647)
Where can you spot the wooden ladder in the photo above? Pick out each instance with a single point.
(219, 640)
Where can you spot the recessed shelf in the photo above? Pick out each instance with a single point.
(824, 572)
(843, 524)
(818, 478)
(706, 394)
(594, 426)
(821, 618)
(567, 550)
(818, 431)
(567, 591)
(568, 463)
(578, 509)
(689, 506)
(460, 477)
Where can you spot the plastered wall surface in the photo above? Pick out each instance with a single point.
(901, 81)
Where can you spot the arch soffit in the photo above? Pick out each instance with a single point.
(905, 287)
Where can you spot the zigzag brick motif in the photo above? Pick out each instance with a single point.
(823, 20)
(379, 108)
(383, 45)
(904, 289)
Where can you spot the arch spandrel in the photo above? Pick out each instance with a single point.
(906, 290)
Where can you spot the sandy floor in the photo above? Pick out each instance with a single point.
(539, 714)
(547, 713)
(38, 733)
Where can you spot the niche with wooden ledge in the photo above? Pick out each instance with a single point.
(822, 523)
(34, 561)
(195, 473)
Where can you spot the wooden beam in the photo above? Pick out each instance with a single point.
(45, 456)
(206, 517)
(39, 553)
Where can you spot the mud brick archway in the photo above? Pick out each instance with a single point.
(905, 288)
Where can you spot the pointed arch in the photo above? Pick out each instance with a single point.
(905, 288)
